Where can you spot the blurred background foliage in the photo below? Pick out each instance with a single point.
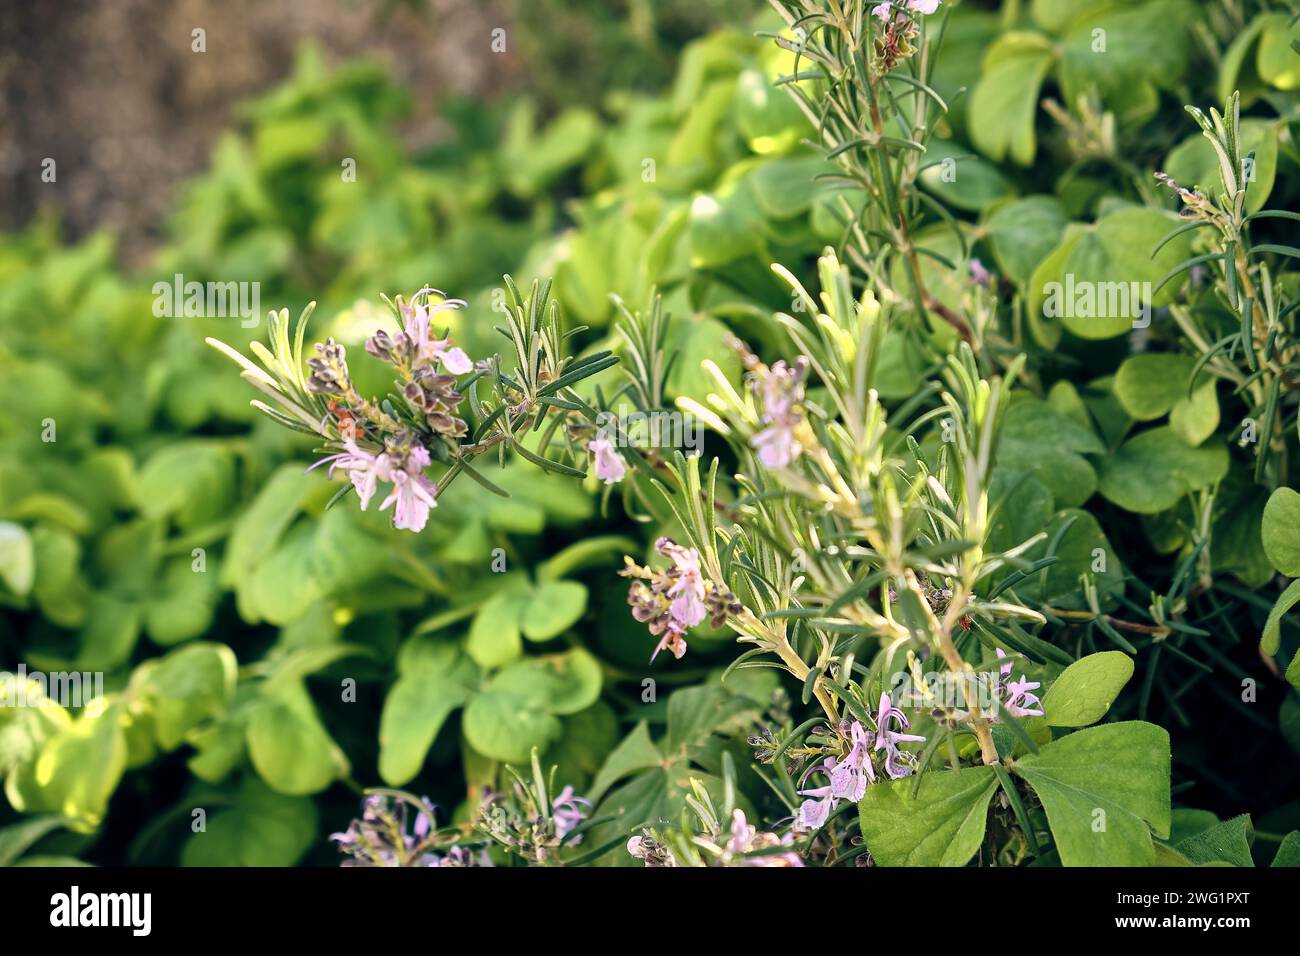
(170, 539)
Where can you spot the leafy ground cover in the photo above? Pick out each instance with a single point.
(987, 347)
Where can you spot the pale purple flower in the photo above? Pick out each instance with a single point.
(424, 821)
(776, 446)
(848, 780)
(428, 350)
(849, 777)
(1017, 699)
(1004, 669)
(687, 591)
(813, 813)
(781, 391)
(742, 834)
(674, 600)
(568, 811)
(413, 494)
(882, 11)
(365, 468)
(978, 274)
(745, 839)
(887, 739)
(609, 463)
(383, 837)
(1021, 703)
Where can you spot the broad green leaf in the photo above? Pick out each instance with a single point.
(1082, 549)
(1288, 716)
(186, 687)
(1277, 61)
(1153, 470)
(1110, 49)
(184, 605)
(784, 188)
(1185, 822)
(111, 631)
(263, 828)
(532, 159)
(1288, 854)
(694, 341)
(636, 752)
(1005, 100)
(1086, 689)
(656, 797)
(287, 140)
(1236, 545)
(695, 713)
(414, 711)
(1105, 789)
(17, 558)
(1100, 282)
(1023, 233)
(560, 683)
(1195, 418)
(552, 608)
(766, 114)
(585, 739)
(17, 838)
(79, 769)
(218, 749)
(1149, 385)
(1237, 72)
(1050, 445)
(1035, 421)
(1056, 15)
(505, 725)
(289, 747)
(725, 226)
(943, 825)
(58, 587)
(1024, 507)
(494, 637)
(960, 178)
(282, 587)
(191, 480)
(1168, 856)
(1281, 531)
(264, 521)
(1272, 637)
(1226, 842)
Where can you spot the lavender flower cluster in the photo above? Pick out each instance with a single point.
(520, 825)
(384, 836)
(673, 600)
(396, 448)
(849, 776)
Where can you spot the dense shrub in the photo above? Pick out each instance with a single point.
(1008, 393)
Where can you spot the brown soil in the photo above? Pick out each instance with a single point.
(113, 92)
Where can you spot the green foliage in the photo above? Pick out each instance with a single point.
(1105, 791)
(1086, 689)
(941, 824)
(1105, 493)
